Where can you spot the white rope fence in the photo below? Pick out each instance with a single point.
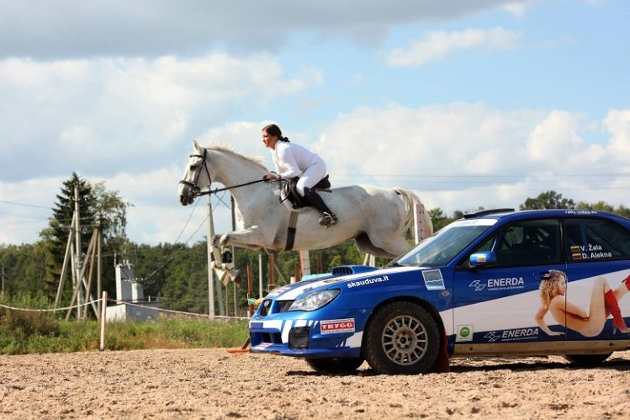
(171, 311)
(103, 314)
(49, 310)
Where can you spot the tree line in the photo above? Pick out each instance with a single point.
(176, 274)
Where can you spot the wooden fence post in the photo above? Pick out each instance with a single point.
(103, 320)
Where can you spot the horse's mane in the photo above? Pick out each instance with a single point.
(257, 162)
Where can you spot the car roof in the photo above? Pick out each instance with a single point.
(511, 214)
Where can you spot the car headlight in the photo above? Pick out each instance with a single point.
(315, 300)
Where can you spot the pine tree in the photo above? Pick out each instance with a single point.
(56, 235)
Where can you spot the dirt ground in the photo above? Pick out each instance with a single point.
(213, 384)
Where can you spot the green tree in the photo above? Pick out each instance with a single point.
(60, 223)
(602, 206)
(187, 286)
(94, 201)
(548, 200)
(440, 219)
(24, 268)
(112, 209)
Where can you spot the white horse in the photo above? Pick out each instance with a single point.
(376, 218)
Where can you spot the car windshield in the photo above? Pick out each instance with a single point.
(440, 249)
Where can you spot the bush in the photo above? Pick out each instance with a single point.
(27, 321)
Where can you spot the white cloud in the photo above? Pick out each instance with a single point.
(461, 156)
(550, 139)
(41, 28)
(107, 115)
(25, 208)
(439, 44)
(517, 9)
(421, 140)
(244, 137)
(128, 122)
(617, 123)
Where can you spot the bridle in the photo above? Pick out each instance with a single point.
(196, 191)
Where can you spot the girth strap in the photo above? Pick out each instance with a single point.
(291, 230)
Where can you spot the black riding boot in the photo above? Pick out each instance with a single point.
(313, 199)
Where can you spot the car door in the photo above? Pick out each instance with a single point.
(499, 303)
(598, 260)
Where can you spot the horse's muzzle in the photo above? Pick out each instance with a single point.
(187, 193)
(186, 199)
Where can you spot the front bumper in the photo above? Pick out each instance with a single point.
(318, 334)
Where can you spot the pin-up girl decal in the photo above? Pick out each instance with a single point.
(604, 302)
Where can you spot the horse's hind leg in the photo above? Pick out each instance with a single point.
(391, 248)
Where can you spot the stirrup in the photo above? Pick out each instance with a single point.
(327, 219)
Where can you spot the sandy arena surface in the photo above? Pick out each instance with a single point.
(213, 384)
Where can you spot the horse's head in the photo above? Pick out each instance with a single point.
(196, 176)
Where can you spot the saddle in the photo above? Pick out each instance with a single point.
(288, 191)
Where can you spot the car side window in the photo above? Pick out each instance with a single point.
(595, 240)
(532, 242)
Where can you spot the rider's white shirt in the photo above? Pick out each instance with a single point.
(293, 160)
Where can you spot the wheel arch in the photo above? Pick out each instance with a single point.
(412, 299)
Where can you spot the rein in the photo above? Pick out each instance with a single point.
(217, 190)
(197, 191)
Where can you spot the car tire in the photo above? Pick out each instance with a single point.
(401, 338)
(335, 365)
(587, 359)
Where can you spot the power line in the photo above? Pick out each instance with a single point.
(25, 205)
(589, 175)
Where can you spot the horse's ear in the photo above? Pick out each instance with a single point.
(196, 145)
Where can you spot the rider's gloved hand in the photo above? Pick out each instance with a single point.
(270, 177)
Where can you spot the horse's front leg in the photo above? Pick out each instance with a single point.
(252, 237)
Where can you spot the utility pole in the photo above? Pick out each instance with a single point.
(233, 207)
(99, 270)
(78, 249)
(68, 256)
(3, 275)
(210, 234)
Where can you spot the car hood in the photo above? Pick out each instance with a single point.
(292, 291)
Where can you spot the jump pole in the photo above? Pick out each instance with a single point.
(305, 262)
(418, 222)
(272, 272)
(250, 289)
(260, 276)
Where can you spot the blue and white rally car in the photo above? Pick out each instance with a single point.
(494, 283)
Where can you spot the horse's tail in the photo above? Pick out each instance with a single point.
(409, 198)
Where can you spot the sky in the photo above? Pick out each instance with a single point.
(468, 103)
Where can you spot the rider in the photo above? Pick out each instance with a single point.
(293, 160)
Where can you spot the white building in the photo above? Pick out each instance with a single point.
(132, 305)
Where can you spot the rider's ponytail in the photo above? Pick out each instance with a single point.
(274, 130)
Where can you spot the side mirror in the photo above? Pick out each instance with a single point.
(480, 259)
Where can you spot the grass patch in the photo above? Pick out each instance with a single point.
(175, 334)
(24, 332)
(37, 333)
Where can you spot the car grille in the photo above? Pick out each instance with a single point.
(298, 338)
(270, 306)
